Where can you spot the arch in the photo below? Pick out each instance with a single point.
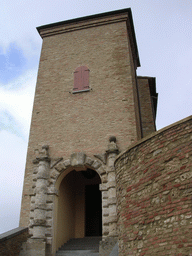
(62, 175)
(77, 161)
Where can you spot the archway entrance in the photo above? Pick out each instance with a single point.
(79, 207)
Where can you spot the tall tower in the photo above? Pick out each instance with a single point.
(89, 105)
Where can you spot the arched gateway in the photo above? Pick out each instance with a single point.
(73, 198)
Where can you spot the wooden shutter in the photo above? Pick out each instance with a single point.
(81, 78)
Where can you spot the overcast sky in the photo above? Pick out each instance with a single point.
(164, 38)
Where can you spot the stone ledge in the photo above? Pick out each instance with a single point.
(14, 232)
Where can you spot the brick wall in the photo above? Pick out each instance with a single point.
(154, 192)
(146, 105)
(11, 241)
(84, 121)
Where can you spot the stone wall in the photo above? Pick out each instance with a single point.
(154, 192)
(11, 241)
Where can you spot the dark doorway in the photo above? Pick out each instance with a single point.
(93, 212)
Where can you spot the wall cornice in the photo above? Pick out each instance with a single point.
(45, 31)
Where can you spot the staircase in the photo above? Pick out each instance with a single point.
(87, 246)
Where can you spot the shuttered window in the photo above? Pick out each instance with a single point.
(81, 79)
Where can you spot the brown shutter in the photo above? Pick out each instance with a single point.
(85, 77)
(81, 78)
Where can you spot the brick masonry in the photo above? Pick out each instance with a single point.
(11, 241)
(82, 122)
(68, 131)
(146, 105)
(154, 193)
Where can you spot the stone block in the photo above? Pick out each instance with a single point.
(96, 164)
(112, 184)
(67, 163)
(43, 171)
(88, 161)
(104, 203)
(32, 199)
(38, 232)
(52, 190)
(49, 206)
(78, 159)
(105, 212)
(48, 232)
(49, 222)
(105, 229)
(112, 200)
(103, 187)
(60, 167)
(40, 214)
(104, 178)
(49, 240)
(32, 192)
(104, 194)
(107, 245)
(34, 247)
(54, 174)
(50, 198)
(101, 171)
(49, 214)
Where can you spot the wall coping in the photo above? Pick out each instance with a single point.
(11, 233)
(154, 134)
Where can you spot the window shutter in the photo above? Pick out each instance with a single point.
(81, 78)
(85, 77)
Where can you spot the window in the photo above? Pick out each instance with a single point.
(81, 79)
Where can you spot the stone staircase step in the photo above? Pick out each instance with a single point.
(87, 246)
(77, 253)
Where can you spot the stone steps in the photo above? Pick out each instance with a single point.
(77, 253)
(87, 246)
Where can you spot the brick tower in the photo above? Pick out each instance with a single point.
(89, 105)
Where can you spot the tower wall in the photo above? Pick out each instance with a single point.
(83, 121)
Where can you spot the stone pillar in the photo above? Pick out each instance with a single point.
(112, 152)
(39, 202)
(105, 210)
(39, 221)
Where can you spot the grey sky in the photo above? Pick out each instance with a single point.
(164, 38)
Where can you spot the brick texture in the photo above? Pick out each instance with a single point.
(147, 110)
(154, 193)
(11, 245)
(83, 122)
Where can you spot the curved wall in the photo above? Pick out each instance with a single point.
(154, 193)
